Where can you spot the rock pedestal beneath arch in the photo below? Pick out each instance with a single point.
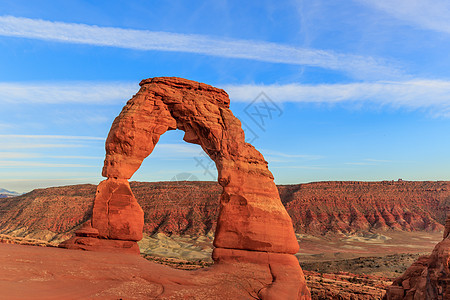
(117, 221)
(428, 278)
(253, 225)
(288, 278)
(116, 213)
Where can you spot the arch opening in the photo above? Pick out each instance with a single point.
(176, 160)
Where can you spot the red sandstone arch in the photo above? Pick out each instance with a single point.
(251, 215)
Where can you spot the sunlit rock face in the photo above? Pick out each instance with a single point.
(428, 277)
(253, 225)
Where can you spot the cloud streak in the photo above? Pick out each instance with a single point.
(360, 164)
(28, 164)
(76, 157)
(413, 94)
(361, 67)
(432, 15)
(267, 152)
(57, 137)
(37, 146)
(67, 92)
(15, 155)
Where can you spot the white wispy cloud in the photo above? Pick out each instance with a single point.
(267, 152)
(74, 157)
(357, 66)
(15, 155)
(299, 167)
(35, 146)
(369, 162)
(413, 94)
(67, 92)
(378, 160)
(360, 163)
(426, 14)
(57, 137)
(30, 164)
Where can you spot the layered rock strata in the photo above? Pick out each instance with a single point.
(191, 208)
(251, 218)
(429, 277)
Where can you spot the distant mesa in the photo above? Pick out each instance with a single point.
(191, 208)
(253, 227)
(6, 194)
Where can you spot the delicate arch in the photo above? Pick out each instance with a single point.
(251, 216)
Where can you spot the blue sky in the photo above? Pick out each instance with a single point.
(360, 90)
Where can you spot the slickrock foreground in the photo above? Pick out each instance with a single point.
(429, 277)
(253, 226)
(28, 272)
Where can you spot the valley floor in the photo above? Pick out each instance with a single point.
(386, 254)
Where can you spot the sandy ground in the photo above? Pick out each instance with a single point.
(30, 272)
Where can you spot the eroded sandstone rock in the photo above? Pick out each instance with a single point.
(429, 277)
(288, 279)
(252, 216)
(253, 226)
(116, 213)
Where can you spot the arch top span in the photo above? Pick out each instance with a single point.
(162, 104)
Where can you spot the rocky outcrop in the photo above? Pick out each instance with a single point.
(252, 219)
(429, 277)
(116, 213)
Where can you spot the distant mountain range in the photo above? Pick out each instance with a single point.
(6, 194)
(192, 207)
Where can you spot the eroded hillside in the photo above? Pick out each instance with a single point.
(192, 207)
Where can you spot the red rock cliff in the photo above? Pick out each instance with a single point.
(429, 277)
